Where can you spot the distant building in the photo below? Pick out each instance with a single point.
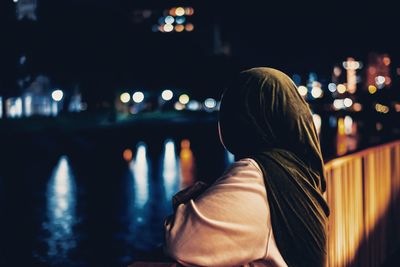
(26, 9)
(378, 71)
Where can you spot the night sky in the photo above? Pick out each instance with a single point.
(96, 44)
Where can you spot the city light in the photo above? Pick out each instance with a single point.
(379, 80)
(372, 89)
(338, 104)
(302, 90)
(125, 97)
(348, 125)
(317, 122)
(179, 28)
(357, 107)
(193, 105)
(179, 106)
(189, 11)
(167, 95)
(210, 103)
(179, 11)
(15, 1)
(184, 99)
(386, 61)
(189, 27)
(337, 71)
(397, 107)
(57, 95)
(127, 154)
(381, 108)
(168, 28)
(341, 88)
(316, 92)
(332, 87)
(347, 102)
(180, 20)
(169, 19)
(138, 97)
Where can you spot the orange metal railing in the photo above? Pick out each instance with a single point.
(363, 194)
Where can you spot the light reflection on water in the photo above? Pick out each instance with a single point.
(140, 191)
(170, 170)
(61, 201)
(187, 163)
(139, 168)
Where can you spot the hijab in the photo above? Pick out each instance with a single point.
(263, 117)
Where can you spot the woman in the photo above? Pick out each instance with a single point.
(267, 209)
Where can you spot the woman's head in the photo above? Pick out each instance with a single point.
(262, 110)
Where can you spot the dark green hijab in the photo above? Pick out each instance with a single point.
(262, 116)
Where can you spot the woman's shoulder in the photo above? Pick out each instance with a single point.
(244, 170)
(245, 164)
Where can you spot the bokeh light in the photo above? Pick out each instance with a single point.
(347, 102)
(189, 27)
(125, 97)
(138, 97)
(57, 95)
(169, 19)
(210, 103)
(167, 95)
(184, 99)
(341, 88)
(372, 89)
(332, 87)
(179, 28)
(168, 28)
(127, 155)
(316, 92)
(179, 11)
(302, 90)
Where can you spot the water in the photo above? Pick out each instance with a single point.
(84, 201)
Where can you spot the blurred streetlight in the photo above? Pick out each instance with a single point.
(125, 97)
(57, 95)
(210, 103)
(347, 102)
(341, 88)
(138, 97)
(167, 95)
(184, 99)
(302, 90)
(316, 92)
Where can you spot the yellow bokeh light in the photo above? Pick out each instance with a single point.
(341, 88)
(168, 27)
(372, 89)
(184, 99)
(125, 97)
(302, 90)
(179, 11)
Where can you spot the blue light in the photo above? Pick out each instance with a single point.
(180, 20)
(169, 20)
(170, 171)
(140, 170)
(61, 200)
